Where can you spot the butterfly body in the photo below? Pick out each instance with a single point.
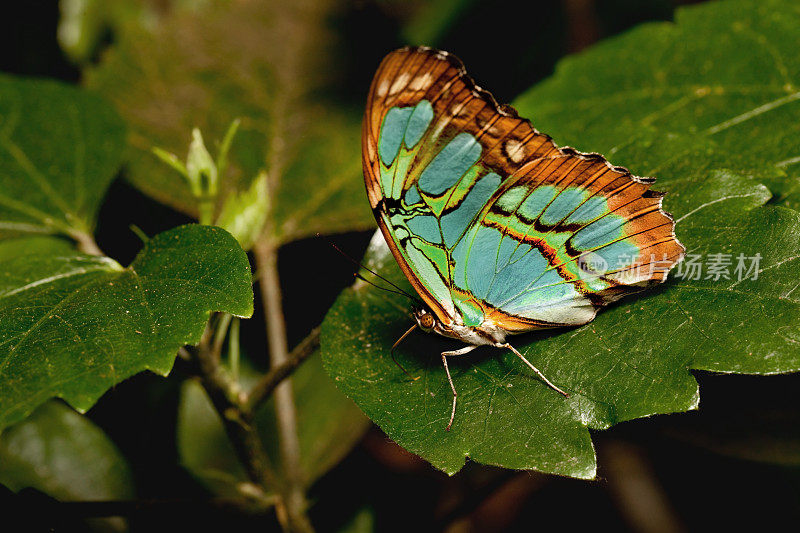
(486, 333)
(499, 230)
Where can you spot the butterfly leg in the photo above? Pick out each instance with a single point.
(538, 372)
(445, 355)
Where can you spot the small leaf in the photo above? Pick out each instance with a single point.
(244, 214)
(171, 160)
(667, 113)
(329, 425)
(63, 454)
(201, 170)
(60, 147)
(73, 325)
(225, 145)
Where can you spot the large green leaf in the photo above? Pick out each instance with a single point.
(329, 425)
(63, 454)
(60, 147)
(724, 79)
(634, 359)
(73, 325)
(257, 60)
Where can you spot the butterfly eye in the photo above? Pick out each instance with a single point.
(426, 321)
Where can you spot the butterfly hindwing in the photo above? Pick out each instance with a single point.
(572, 234)
(487, 217)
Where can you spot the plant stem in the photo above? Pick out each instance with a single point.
(233, 349)
(206, 207)
(268, 382)
(219, 335)
(86, 243)
(265, 252)
(226, 398)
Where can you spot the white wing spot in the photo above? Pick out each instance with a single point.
(457, 109)
(493, 130)
(383, 88)
(421, 82)
(371, 151)
(515, 150)
(399, 83)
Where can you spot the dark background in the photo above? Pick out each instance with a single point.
(656, 474)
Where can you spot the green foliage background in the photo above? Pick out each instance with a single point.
(709, 104)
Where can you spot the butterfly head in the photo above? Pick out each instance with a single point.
(426, 320)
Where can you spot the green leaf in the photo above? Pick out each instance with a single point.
(266, 62)
(201, 170)
(329, 425)
(72, 325)
(719, 88)
(63, 454)
(634, 359)
(60, 147)
(245, 213)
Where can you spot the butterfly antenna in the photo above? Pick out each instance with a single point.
(391, 352)
(399, 290)
(365, 280)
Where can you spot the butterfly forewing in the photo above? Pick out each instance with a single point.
(488, 218)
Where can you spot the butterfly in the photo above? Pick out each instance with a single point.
(498, 230)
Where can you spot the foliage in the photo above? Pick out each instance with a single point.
(719, 88)
(63, 454)
(74, 325)
(709, 104)
(329, 426)
(60, 147)
(269, 72)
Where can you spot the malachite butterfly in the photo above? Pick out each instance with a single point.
(499, 230)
